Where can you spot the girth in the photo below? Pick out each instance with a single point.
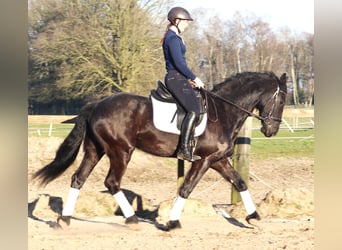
(164, 95)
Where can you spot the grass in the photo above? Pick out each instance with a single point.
(42, 129)
(285, 143)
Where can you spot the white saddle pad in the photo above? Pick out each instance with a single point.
(163, 114)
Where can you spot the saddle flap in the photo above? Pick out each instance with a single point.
(162, 94)
(164, 120)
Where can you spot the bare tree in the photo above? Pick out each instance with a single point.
(236, 39)
(214, 51)
(262, 39)
(94, 48)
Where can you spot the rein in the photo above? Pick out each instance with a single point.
(275, 95)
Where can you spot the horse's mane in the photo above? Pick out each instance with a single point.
(235, 81)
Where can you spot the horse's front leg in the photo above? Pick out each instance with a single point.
(228, 172)
(193, 176)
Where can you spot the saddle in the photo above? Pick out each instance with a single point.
(162, 94)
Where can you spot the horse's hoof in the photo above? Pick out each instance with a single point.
(254, 215)
(132, 220)
(63, 221)
(173, 224)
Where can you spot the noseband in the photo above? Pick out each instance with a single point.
(261, 118)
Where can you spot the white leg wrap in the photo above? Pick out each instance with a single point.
(177, 208)
(69, 207)
(247, 201)
(126, 208)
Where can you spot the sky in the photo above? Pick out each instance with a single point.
(298, 15)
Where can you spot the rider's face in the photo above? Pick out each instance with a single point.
(182, 25)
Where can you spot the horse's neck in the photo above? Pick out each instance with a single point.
(231, 117)
(234, 115)
(240, 99)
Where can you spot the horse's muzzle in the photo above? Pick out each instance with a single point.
(269, 129)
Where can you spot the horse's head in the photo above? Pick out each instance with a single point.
(271, 108)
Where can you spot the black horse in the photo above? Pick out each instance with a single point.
(118, 124)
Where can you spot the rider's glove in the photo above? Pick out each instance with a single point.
(198, 82)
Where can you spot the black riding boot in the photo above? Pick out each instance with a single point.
(188, 128)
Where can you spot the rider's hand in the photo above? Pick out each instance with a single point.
(198, 83)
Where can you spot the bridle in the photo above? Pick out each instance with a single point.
(265, 119)
(274, 98)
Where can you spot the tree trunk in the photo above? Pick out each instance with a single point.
(294, 80)
(238, 60)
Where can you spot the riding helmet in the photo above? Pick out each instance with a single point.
(178, 13)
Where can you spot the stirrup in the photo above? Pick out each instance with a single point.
(188, 156)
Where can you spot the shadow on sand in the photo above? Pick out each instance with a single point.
(55, 204)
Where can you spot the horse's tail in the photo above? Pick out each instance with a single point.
(68, 150)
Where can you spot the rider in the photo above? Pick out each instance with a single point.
(180, 80)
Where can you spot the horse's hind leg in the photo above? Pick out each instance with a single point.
(92, 155)
(229, 173)
(118, 164)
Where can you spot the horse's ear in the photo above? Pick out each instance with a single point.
(283, 78)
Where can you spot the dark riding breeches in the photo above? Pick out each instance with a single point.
(182, 90)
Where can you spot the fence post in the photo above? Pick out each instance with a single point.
(50, 129)
(241, 156)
